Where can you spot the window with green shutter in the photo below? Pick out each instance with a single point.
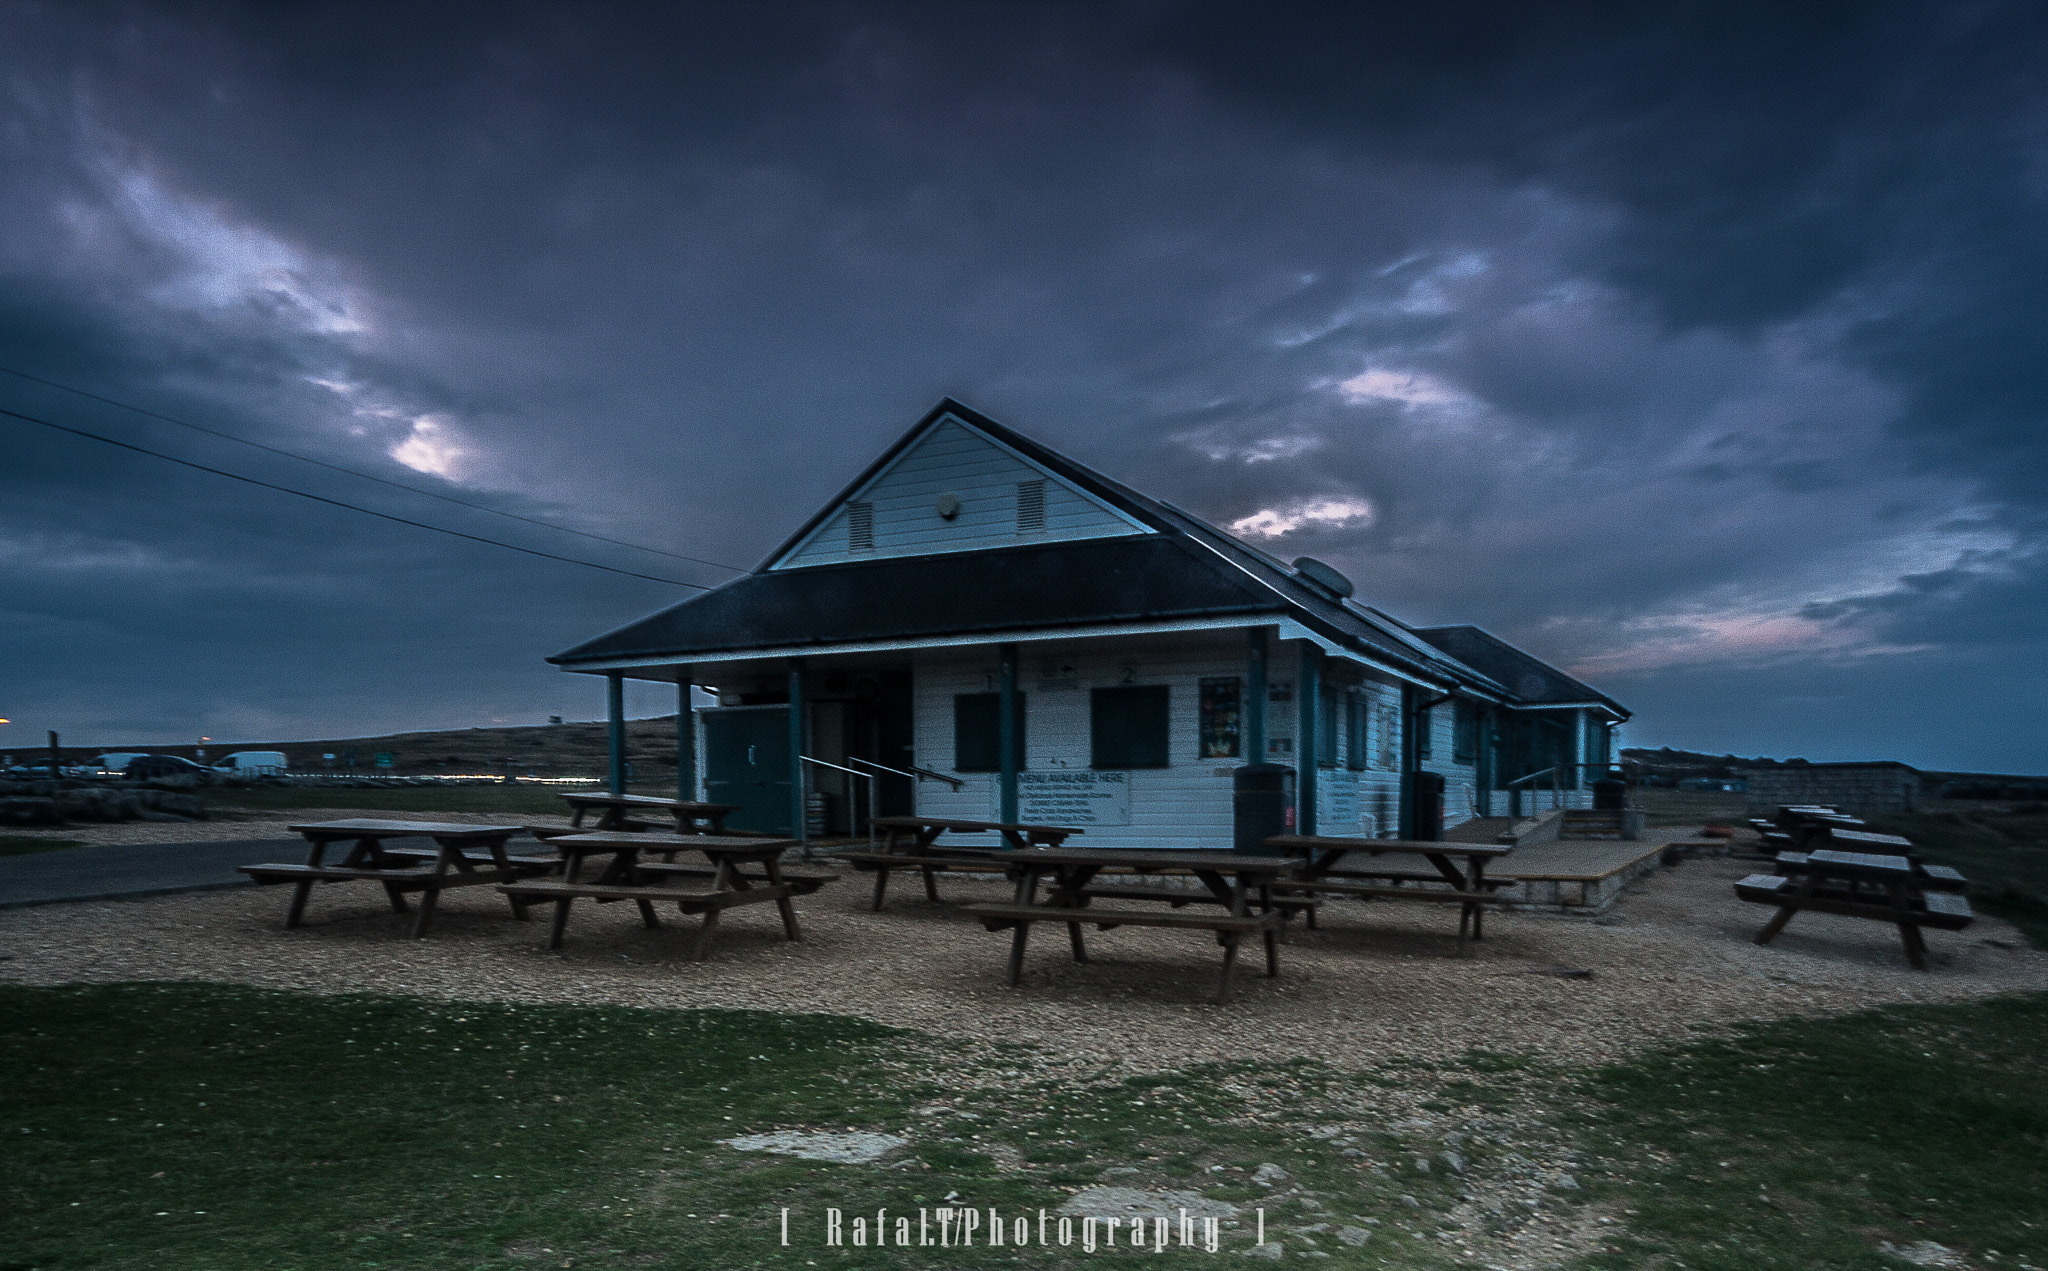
(1357, 711)
(1127, 727)
(1421, 724)
(1327, 723)
(1465, 733)
(977, 732)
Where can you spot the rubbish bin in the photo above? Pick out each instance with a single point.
(1610, 794)
(1425, 792)
(1262, 798)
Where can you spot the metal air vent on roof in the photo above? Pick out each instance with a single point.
(1322, 577)
(860, 526)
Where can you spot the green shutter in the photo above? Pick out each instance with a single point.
(1128, 727)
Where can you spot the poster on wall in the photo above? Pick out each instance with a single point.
(1073, 796)
(1221, 717)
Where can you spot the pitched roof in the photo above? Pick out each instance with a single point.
(1186, 569)
(1532, 682)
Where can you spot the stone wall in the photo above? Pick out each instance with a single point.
(1860, 789)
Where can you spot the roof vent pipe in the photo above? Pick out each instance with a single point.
(1323, 578)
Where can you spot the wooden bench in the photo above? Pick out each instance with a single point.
(909, 844)
(1228, 929)
(1882, 888)
(463, 855)
(928, 864)
(799, 884)
(708, 903)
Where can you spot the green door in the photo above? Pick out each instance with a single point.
(746, 763)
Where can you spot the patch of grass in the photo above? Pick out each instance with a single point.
(1803, 1143)
(28, 844)
(176, 1126)
(2004, 855)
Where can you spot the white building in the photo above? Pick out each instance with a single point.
(971, 575)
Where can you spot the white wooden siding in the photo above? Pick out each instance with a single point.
(954, 459)
(1186, 805)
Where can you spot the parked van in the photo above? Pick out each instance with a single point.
(252, 763)
(118, 760)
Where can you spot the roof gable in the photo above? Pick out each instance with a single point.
(951, 485)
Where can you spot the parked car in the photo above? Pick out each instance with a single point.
(152, 766)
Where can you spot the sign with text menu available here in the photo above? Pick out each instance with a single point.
(1073, 796)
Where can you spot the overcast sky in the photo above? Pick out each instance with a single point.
(1696, 348)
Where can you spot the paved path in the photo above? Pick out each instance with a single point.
(114, 871)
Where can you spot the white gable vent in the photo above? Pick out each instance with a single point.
(860, 527)
(1031, 507)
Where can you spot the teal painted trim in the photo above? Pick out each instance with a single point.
(615, 731)
(1411, 761)
(1255, 696)
(1308, 695)
(799, 821)
(1006, 729)
(686, 740)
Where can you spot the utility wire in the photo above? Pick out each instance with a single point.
(332, 467)
(319, 498)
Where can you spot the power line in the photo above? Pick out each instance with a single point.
(332, 467)
(320, 498)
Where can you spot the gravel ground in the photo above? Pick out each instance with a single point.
(1376, 982)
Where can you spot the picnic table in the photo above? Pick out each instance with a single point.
(615, 812)
(463, 856)
(1456, 873)
(1887, 888)
(910, 842)
(1231, 879)
(706, 890)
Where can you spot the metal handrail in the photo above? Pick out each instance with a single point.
(868, 777)
(915, 771)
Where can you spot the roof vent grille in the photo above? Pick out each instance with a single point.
(1031, 507)
(860, 527)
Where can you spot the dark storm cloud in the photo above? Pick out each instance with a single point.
(1680, 345)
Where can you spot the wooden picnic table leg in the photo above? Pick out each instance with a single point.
(647, 917)
(773, 868)
(1476, 881)
(561, 922)
(881, 885)
(931, 885)
(1229, 960)
(398, 905)
(300, 890)
(1027, 889)
(1786, 910)
(429, 897)
(704, 935)
(1909, 931)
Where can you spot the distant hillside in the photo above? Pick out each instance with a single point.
(545, 750)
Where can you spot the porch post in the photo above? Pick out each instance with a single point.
(1254, 705)
(799, 823)
(1308, 696)
(615, 732)
(1482, 763)
(1410, 761)
(1581, 750)
(1006, 729)
(686, 739)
